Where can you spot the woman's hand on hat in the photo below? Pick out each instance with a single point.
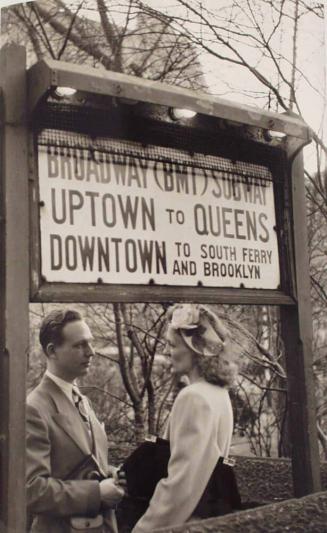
(221, 329)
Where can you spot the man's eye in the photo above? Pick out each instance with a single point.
(80, 345)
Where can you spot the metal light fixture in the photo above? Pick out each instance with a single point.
(177, 113)
(62, 92)
(277, 135)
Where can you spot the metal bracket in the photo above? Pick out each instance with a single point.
(294, 144)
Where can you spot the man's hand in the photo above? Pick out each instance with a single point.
(111, 493)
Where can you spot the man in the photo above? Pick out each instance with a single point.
(63, 431)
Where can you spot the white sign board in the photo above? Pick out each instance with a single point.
(129, 214)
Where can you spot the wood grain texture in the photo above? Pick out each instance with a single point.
(14, 286)
(49, 72)
(296, 327)
(97, 293)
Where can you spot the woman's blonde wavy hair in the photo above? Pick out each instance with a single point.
(220, 369)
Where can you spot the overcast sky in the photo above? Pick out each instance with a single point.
(222, 76)
(236, 83)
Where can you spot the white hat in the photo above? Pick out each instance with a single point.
(192, 321)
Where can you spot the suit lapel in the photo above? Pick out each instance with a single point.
(67, 416)
(74, 427)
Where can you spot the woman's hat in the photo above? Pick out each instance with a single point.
(196, 329)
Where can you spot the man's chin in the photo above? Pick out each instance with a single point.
(85, 370)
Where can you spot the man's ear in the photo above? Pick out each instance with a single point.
(51, 351)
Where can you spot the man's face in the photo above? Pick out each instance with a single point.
(72, 358)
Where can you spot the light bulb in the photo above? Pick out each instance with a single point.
(180, 113)
(276, 134)
(61, 92)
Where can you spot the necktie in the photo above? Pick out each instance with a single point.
(82, 406)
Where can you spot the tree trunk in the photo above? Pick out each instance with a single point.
(151, 409)
(284, 440)
(139, 423)
(294, 55)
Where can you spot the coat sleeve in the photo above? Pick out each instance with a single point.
(194, 454)
(46, 494)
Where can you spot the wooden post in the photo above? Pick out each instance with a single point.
(14, 286)
(297, 337)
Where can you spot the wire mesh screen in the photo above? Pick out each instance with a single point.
(150, 124)
(100, 149)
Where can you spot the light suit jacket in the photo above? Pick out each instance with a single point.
(58, 441)
(200, 431)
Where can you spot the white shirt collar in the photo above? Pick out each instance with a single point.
(65, 386)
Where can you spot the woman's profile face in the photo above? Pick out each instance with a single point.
(181, 355)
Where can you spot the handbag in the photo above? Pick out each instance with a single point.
(148, 464)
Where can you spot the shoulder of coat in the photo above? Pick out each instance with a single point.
(207, 391)
(195, 390)
(41, 400)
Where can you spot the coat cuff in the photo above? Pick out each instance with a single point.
(93, 500)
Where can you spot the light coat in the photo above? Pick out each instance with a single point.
(200, 431)
(58, 441)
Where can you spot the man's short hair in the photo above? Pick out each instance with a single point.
(53, 324)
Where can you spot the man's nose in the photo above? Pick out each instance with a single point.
(90, 350)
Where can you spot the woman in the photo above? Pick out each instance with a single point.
(201, 422)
